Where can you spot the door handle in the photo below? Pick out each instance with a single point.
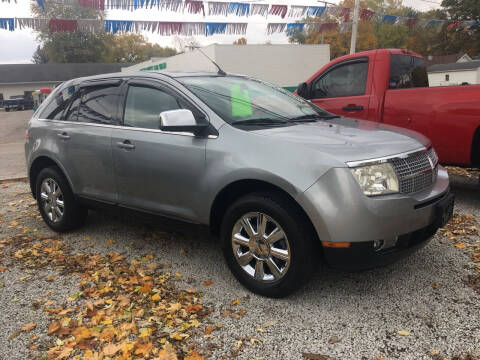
(353, 108)
(126, 144)
(63, 135)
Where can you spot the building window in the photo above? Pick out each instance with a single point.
(447, 77)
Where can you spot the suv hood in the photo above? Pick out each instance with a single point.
(348, 139)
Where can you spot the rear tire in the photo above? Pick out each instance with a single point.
(263, 260)
(56, 202)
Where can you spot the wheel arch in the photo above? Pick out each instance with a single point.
(239, 188)
(40, 163)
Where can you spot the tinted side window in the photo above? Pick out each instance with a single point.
(99, 104)
(407, 72)
(144, 105)
(345, 80)
(72, 113)
(55, 107)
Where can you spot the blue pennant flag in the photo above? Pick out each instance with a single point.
(41, 5)
(7, 23)
(215, 28)
(389, 19)
(315, 11)
(293, 28)
(239, 9)
(114, 26)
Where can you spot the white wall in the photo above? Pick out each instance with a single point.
(282, 65)
(17, 89)
(456, 77)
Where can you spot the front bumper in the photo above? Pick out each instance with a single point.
(362, 255)
(340, 212)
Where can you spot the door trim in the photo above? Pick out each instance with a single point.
(210, 136)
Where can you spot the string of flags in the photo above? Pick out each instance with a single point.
(330, 18)
(124, 26)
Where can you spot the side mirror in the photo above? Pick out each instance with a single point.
(303, 90)
(181, 120)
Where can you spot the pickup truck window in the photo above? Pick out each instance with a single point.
(407, 72)
(349, 79)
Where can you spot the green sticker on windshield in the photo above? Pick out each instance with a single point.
(241, 105)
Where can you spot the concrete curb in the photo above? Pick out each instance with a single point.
(15, 179)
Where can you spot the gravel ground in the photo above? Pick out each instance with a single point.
(339, 315)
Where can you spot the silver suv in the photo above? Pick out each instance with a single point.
(282, 182)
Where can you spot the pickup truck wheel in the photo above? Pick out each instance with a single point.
(56, 202)
(268, 244)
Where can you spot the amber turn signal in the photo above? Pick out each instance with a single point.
(342, 245)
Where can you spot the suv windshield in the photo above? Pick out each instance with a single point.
(243, 100)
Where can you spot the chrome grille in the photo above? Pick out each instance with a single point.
(417, 171)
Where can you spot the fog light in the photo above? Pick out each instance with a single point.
(378, 245)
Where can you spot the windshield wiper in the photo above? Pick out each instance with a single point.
(267, 122)
(313, 117)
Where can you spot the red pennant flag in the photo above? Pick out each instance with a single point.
(62, 25)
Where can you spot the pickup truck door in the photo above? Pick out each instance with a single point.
(156, 171)
(342, 89)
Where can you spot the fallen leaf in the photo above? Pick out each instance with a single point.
(460, 245)
(143, 349)
(207, 282)
(209, 330)
(2, 268)
(30, 326)
(194, 356)
(403, 333)
(235, 302)
(53, 327)
(167, 353)
(110, 242)
(309, 356)
(111, 349)
(334, 340)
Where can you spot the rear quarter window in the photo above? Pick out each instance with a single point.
(55, 107)
(407, 72)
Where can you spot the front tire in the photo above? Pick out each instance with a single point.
(56, 202)
(268, 244)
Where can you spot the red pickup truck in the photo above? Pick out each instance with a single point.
(391, 86)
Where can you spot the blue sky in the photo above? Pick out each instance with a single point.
(18, 46)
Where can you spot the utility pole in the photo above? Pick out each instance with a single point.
(356, 16)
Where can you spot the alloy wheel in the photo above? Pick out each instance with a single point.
(261, 247)
(51, 198)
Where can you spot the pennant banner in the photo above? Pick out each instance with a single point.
(7, 24)
(259, 9)
(273, 28)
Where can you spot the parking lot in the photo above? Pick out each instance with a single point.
(424, 307)
(12, 136)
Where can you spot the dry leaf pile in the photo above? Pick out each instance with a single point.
(122, 309)
(471, 173)
(463, 231)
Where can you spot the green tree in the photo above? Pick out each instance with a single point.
(39, 56)
(131, 48)
(72, 47)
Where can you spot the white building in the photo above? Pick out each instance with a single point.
(462, 72)
(283, 65)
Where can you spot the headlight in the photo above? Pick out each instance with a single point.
(378, 179)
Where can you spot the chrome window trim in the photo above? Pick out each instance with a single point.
(352, 164)
(126, 128)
